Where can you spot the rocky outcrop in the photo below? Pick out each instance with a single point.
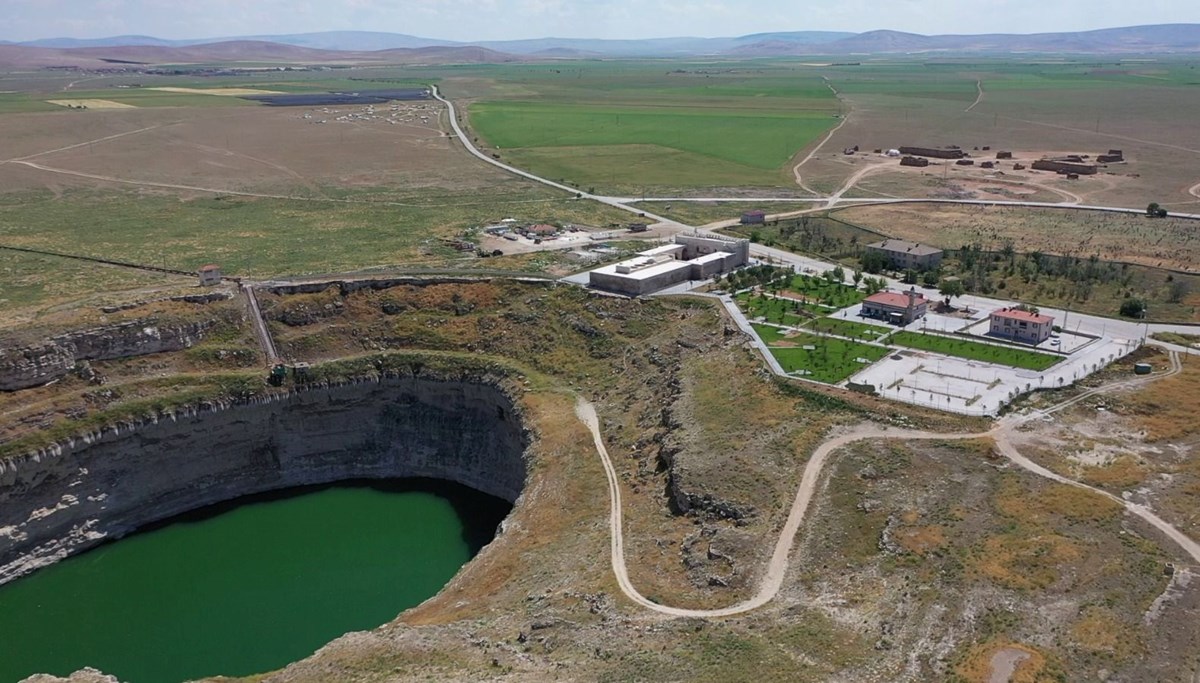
(30, 366)
(64, 499)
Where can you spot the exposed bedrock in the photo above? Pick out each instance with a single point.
(67, 498)
(30, 366)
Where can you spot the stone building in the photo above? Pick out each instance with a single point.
(902, 254)
(210, 275)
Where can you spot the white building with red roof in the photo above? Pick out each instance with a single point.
(1021, 325)
(899, 308)
(210, 275)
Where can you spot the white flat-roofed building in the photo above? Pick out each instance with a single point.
(688, 258)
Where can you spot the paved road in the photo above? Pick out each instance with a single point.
(777, 567)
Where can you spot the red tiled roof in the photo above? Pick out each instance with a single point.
(543, 229)
(1016, 314)
(894, 299)
(209, 267)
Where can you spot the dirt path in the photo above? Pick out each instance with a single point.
(778, 564)
(1194, 190)
(89, 142)
(854, 180)
(978, 98)
(813, 152)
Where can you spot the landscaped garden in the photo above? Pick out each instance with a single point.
(824, 359)
(848, 328)
(971, 350)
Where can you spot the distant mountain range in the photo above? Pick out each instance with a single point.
(398, 48)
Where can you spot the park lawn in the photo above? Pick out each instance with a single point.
(769, 333)
(771, 309)
(848, 328)
(971, 350)
(834, 294)
(831, 360)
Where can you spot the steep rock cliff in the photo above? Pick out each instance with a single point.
(30, 366)
(62, 500)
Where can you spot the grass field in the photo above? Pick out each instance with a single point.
(775, 310)
(961, 348)
(830, 359)
(824, 292)
(848, 328)
(262, 237)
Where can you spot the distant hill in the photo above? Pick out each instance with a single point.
(370, 46)
(232, 52)
(1135, 39)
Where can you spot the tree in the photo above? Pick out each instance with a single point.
(1176, 291)
(951, 288)
(874, 284)
(1152, 209)
(873, 262)
(1133, 308)
(858, 277)
(910, 277)
(930, 279)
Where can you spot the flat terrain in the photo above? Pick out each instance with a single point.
(1172, 243)
(990, 353)
(1030, 108)
(261, 191)
(629, 128)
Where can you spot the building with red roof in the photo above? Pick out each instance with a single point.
(1021, 325)
(899, 308)
(210, 275)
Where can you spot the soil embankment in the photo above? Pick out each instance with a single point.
(64, 499)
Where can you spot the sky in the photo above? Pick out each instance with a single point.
(468, 20)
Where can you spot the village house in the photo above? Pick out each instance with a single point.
(902, 254)
(898, 308)
(210, 275)
(1020, 325)
(755, 217)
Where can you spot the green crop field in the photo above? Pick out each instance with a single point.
(971, 350)
(831, 360)
(632, 126)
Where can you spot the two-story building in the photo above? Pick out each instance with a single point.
(1021, 325)
(902, 254)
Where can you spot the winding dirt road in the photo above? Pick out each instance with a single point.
(778, 564)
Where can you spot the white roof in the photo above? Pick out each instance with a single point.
(709, 258)
(662, 249)
(644, 273)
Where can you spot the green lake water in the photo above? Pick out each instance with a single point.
(244, 587)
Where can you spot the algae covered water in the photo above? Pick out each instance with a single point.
(244, 587)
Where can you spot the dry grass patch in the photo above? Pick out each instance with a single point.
(1099, 630)
(1167, 408)
(1022, 562)
(1123, 472)
(92, 104)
